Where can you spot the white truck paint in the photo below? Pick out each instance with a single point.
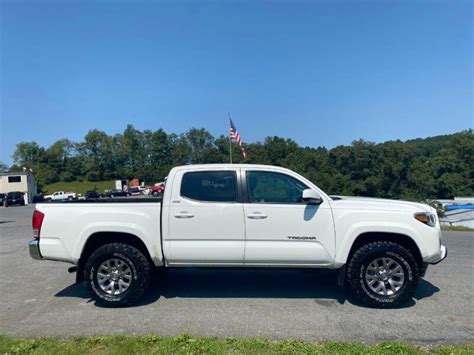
(314, 231)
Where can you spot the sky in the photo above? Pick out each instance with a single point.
(323, 73)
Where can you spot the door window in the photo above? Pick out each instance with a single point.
(210, 186)
(270, 187)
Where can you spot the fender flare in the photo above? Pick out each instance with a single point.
(119, 228)
(358, 229)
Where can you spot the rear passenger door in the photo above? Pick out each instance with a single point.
(206, 220)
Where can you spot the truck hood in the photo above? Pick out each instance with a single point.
(370, 203)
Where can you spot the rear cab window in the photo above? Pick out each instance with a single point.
(210, 186)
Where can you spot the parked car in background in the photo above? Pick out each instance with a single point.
(14, 198)
(156, 190)
(61, 195)
(92, 194)
(38, 198)
(116, 193)
(2, 198)
(134, 191)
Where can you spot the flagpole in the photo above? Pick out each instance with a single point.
(230, 144)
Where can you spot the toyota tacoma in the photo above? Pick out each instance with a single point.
(239, 215)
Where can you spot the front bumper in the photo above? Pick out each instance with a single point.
(438, 257)
(34, 249)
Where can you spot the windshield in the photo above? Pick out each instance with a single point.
(14, 194)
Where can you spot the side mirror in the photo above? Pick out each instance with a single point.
(311, 197)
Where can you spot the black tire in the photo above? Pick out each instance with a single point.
(138, 264)
(357, 279)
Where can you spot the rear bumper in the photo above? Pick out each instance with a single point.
(33, 247)
(438, 257)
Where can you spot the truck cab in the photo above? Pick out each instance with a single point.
(249, 215)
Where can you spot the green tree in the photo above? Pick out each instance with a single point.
(435, 167)
(3, 167)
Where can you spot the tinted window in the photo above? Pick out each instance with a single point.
(15, 194)
(213, 186)
(268, 187)
(14, 179)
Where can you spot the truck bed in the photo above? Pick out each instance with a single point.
(68, 225)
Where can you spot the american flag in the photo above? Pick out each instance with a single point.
(234, 135)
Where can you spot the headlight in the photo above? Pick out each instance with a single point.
(426, 218)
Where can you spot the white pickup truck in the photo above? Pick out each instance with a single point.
(60, 195)
(241, 216)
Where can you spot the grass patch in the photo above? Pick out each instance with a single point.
(446, 227)
(80, 187)
(185, 344)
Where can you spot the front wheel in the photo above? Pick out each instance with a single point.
(383, 274)
(117, 275)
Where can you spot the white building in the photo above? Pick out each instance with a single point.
(464, 199)
(21, 181)
(463, 215)
(464, 218)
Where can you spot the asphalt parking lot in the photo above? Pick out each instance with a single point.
(39, 298)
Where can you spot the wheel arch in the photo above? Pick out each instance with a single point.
(98, 239)
(401, 239)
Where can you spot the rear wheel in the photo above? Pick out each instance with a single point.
(117, 274)
(383, 274)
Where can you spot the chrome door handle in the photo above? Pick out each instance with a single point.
(257, 215)
(183, 215)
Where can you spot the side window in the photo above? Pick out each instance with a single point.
(210, 186)
(13, 179)
(268, 187)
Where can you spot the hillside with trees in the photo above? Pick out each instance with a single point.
(435, 167)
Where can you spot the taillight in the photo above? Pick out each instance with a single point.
(37, 221)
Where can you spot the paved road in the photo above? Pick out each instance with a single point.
(39, 298)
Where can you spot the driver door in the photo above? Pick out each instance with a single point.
(281, 229)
